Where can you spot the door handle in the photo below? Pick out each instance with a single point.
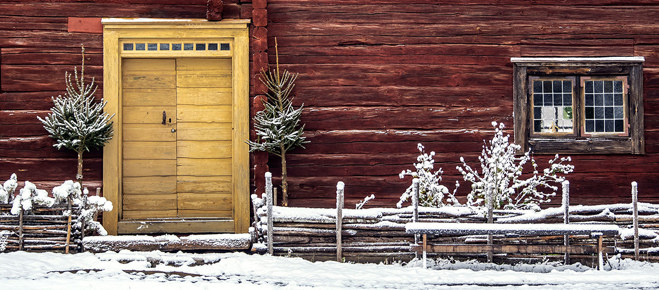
(173, 130)
(164, 118)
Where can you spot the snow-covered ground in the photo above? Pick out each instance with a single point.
(157, 270)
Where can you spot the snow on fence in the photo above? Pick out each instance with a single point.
(45, 229)
(378, 234)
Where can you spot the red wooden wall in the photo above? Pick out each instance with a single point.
(379, 76)
(39, 41)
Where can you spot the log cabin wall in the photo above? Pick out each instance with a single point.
(39, 41)
(377, 77)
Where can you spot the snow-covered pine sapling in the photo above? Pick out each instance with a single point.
(77, 121)
(8, 188)
(30, 196)
(502, 175)
(431, 192)
(363, 202)
(277, 126)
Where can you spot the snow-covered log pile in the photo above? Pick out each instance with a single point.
(378, 234)
(44, 229)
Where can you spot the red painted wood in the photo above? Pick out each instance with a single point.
(378, 77)
(85, 24)
(214, 10)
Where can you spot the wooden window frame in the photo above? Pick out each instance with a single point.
(574, 105)
(633, 142)
(117, 31)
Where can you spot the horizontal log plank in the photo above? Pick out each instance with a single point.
(517, 249)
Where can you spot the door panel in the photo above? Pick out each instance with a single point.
(204, 113)
(149, 146)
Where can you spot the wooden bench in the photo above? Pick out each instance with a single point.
(464, 229)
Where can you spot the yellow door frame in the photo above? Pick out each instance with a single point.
(116, 32)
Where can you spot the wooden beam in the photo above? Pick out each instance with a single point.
(516, 249)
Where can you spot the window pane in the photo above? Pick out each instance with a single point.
(139, 46)
(599, 86)
(552, 106)
(537, 87)
(537, 99)
(212, 46)
(608, 113)
(617, 100)
(128, 46)
(164, 46)
(608, 99)
(619, 126)
(546, 86)
(618, 113)
(188, 46)
(558, 87)
(176, 46)
(153, 46)
(617, 86)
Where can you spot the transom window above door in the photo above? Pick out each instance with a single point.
(579, 105)
(176, 47)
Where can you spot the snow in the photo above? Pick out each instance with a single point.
(158, 270)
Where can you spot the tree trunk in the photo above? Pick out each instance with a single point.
(79, 175)
(284, 178)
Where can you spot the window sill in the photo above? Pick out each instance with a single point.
(593, 145)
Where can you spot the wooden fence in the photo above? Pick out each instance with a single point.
(44, 229)
(378, 234)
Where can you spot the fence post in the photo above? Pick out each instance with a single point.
(566, 218)
(20, 230)
(415, 206)
(489, 200)
(635, 221)
(339, 220)
(269, 200)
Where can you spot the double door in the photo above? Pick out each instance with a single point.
(177, 139)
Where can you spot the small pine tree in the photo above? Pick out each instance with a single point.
(502, 176)
(278, 126)
(76, 121)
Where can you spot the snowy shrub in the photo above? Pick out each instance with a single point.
(8, 188)
(93, 206)
(29, 196)
(431, 193)
(501, 174)
(68, 189)
(4, 235)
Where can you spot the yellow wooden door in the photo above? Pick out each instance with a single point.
(177, 148)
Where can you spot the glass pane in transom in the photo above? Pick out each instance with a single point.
(552, 106)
